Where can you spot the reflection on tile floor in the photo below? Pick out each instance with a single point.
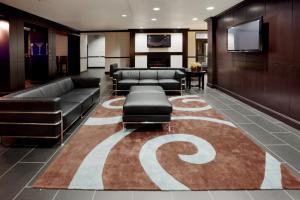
(19, 165)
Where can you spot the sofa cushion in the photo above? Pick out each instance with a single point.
(147, 104)
(127, 83)
(148, 74)
(166, 74)
(35, 93)
(75, 96)
(130, 74)
(52, 90)
(148, 82)
(169, 84)
(147, 89)
(66, 85)
(71, 112)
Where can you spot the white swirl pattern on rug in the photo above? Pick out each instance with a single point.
(89, 174)
(158, 174)
(185, 100)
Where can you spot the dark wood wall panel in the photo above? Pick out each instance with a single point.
(269, 80)
(12, 72)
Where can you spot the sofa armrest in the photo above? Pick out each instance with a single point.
(86, 82)
(117, 75)
(179, 74)
(29, 104)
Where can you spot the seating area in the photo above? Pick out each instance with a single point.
(169, 80)
(48, 110)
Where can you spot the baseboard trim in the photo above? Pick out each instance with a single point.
(286, 119)
(96, 67)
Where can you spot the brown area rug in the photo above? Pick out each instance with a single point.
(203, 151)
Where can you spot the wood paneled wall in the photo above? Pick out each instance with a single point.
(14, 72)
(269, 80)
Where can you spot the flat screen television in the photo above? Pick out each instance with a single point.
(158, 41)
(245, 37)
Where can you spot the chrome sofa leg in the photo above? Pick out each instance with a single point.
(61, 130)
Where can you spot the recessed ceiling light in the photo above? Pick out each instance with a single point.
(124, 15)
(156, 9)
(195, 19)
(154, 19)
(210, 8)
(141, 27)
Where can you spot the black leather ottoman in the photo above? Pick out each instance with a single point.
(146, 104)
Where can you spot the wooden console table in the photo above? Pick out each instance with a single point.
(199, 74)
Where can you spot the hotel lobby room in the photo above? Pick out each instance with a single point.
(149, 100)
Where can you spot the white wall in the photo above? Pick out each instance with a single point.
(96, 50)
(83, 52)
(61, 45)
(117, 44)
(141, 46)
(191, 47)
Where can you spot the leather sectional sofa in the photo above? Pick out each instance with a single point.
(48, 110)
(169, 80)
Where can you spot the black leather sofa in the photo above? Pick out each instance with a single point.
(169, 80)
(48, 110)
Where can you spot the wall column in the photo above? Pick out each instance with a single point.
(211, 62)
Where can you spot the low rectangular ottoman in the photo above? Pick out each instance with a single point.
(146, 104)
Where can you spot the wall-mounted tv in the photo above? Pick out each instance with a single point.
(158, 41)
(245, 37)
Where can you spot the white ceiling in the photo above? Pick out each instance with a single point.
(106, 14)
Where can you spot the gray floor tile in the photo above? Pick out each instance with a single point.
(290, 138)
(242, 110)
(291, 129)
(266, 124)
(288, 154)
(113, 195)
(74, 195)
(152, 195)
(216, 104)
(294, 193)
(11, 157)
(191, 195)
(40, 154)
(228, 101)
(260, 134)
(269, 195)
(12, 182)
(3, 149)
(229, 195)
(235, 116)
(36, 194)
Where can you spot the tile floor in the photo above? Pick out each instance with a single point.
(20, 164)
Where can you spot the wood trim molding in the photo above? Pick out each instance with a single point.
(146, 53)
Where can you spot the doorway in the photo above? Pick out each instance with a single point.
(201, 48)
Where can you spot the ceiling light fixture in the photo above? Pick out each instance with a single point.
(154, 19)
(195, 19)
(124, 15)
(210, 8)
(141, 27)
(156, 9)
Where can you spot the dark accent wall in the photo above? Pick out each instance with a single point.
(269, 80)
(14, 69)
(74, 54)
